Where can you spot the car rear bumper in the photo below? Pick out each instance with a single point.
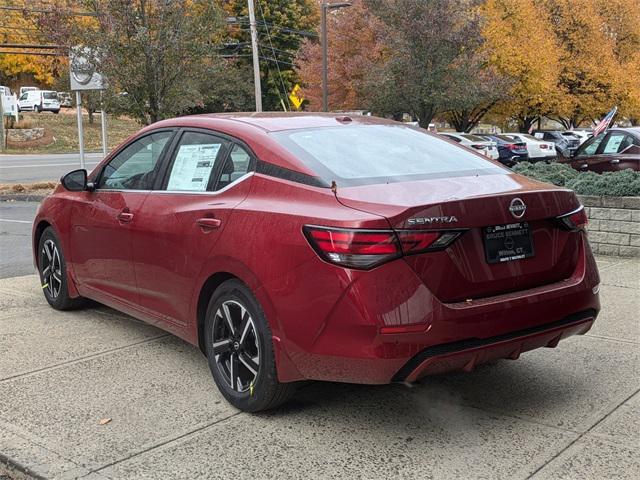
(466, 355)
(387, 318)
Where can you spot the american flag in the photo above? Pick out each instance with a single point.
(605, 122)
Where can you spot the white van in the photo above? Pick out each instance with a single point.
(39, 101)
(27, 89)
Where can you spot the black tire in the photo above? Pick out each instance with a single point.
(53, 273)
(37, 109)
(249, 391)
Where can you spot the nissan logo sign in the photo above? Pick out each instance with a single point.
(517, 208)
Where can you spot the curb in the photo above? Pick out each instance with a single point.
(23, 197)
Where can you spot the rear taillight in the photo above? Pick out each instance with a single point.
(366, 249)
(543, 146)
(576, 220)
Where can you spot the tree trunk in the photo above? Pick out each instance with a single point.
(524, 123)
(424, 114)
(90, 111)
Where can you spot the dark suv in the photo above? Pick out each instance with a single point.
(615, 149)
(566, 142)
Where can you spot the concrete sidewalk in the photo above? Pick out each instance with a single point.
(570, 412)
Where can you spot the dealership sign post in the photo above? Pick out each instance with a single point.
(84, 77)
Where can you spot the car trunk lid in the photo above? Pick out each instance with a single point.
(461, 271)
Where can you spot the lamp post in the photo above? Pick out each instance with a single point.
(325, 7)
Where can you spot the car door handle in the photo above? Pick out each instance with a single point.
(125, 217)
(207, 224)
(584, 166)
(614, 161)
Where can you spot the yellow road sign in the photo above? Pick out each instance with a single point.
(296, 96)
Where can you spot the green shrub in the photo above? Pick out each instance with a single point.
(625, 183)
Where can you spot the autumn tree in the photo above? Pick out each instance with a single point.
(282, 25)
(589, 70)
(621, 23)
(155, 52)
(18, 27)
(355, 49)
(521, 45)
(426, 70)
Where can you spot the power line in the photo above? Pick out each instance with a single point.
(284, 88)
(39, 10)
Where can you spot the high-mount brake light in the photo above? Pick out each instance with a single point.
(575, 220)
(366, 249)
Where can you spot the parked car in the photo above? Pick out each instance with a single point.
(510, 151)
(291, 247)
(583, 135)
(483, 146)
(566, 143)
(615, 149)
(27, 89)
(65, 99)
(39, 101)
(538, 150)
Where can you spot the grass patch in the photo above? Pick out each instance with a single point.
(64, 129)
(40, 188)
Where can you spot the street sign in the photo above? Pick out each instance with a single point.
(296, 97)
(82, 70)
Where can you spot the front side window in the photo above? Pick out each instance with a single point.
(136, 167)
(365, 154)
(590, 146)
(193, 167)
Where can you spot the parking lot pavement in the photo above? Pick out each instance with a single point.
(570, 412)
(16, 219)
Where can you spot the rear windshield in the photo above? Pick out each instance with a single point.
(473, 138)
(364, 154)
(50, 95)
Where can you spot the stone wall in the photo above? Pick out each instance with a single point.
(614, 225)
(21, 135)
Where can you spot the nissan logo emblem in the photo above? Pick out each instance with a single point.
(517, 208)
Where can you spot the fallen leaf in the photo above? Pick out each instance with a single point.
(104, 421)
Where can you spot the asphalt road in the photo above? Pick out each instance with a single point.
(95, 394)
(36, 168)
(16, 219)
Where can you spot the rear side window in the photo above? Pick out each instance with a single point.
(363, 154)
(50, 95)
(615, 143)
(193, 167)
(235, 166)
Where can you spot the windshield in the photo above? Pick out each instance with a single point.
(364, 154)
(50, 95)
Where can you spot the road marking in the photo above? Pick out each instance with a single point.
(48, 165)
(14, 221)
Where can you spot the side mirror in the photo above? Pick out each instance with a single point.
(76, 181)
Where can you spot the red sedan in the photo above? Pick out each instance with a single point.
(291, 247)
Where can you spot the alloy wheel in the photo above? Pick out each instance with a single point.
(236, 348)
(51, 269)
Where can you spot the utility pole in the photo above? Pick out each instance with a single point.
(324, 8)
(256, 60)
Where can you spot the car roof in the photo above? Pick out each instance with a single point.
(277, 121)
